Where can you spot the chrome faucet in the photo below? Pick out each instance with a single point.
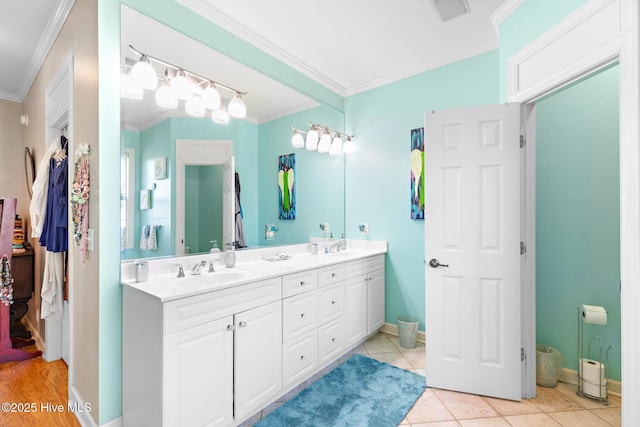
(196, 268)
(333, 248)
(211, 269)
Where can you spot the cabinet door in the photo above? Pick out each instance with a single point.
(258, 357)
(375, 305)
(356, 309)
(198, 373)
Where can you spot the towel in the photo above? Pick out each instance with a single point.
(144, 238)
(152, 240)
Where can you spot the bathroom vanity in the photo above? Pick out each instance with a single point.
(215, 348)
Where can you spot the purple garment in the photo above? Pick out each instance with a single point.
(54, 231)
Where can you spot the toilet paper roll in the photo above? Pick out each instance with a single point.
(594, 314)
(594, 382)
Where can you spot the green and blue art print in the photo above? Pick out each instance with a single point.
(286, 186)
(417, 173)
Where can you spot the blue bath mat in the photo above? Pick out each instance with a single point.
(360, 392)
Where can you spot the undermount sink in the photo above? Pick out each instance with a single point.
(215, 278)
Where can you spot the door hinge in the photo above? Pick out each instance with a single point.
(523, 355)
(523, 248)
(523, 141)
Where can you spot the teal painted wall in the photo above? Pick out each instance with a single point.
(577, 214)
(377, 175)
(203, 203)
(319, 179)
(527, 23)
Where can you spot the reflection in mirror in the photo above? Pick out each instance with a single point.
(150, 133)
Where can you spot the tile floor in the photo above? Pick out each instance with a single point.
(559, 406)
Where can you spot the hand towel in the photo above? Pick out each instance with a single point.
(152, 240)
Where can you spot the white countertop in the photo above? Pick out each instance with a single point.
(164, 284)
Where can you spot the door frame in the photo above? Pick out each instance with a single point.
(616, 40)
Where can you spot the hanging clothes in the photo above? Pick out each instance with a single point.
(55, 235)
(52, 286)
(38, 205)
(240, 239)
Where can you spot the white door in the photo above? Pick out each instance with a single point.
(472, 249)
(229, 202)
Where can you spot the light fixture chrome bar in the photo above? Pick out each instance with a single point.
(198, 76)
(326, 128)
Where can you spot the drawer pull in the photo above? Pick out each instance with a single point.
(333, 302)
(242, 324)
(333, 340)
(302, 283)
(230, 327)
(301, 357)
(333, 274)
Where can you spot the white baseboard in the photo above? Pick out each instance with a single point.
(570, 376)
(392, 329)
(40, 344)
(84, 417)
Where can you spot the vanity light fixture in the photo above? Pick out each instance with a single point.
(322, 138)
(198, 93)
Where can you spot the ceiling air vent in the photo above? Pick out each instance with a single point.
(449, 9)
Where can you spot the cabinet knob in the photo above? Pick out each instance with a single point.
(242, 324)
(302, 283)
(333, 302)
(301, 357)
(230, 327)
(301, 315)
(333, 274)
(333, 339)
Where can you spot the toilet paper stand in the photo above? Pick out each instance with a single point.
(587, 386)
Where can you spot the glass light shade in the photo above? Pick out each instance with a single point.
(220, 116)
(181, 86)
(237, 108)
(165, 97)
(129, 88)
(211, 97)
(144, 74)
(311, 142)
(348, 146)
(324, 144)
(194, 106)
(336, 146)
(297, 140)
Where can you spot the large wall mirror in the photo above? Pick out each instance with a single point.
(170, 207)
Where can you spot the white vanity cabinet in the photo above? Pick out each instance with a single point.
(187, 362)
(365, 298)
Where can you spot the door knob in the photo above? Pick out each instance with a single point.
(435, 263)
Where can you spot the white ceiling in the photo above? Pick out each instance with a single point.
(347, 46)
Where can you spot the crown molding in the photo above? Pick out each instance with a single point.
(423, 67)
(503, 12)
(49, 35)
(10, 97)
(208, 11)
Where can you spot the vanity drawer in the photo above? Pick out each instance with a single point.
(331, 274)
(365, 265)
(331, 341)
(299, 358)
(298, 315)
(198, 309)
(331, 302)
(296, 283)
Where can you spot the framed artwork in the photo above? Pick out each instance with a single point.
(160, 168)
(417, 173)
(286, 186)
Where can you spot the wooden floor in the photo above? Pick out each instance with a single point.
(34, 393)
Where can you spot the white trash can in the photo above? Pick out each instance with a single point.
(407, 331)
(548, 365)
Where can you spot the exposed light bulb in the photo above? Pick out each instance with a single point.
(297, 140)
(311, 142)
(211, 97)
(325, 143)
(165, 97)
(129, 88)
(237, 108)
(220, 116)
(336, 146)
(181, 86)
(194, 106)
(144, 74)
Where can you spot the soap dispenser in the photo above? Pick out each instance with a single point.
(343, 243)
(214, 247)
